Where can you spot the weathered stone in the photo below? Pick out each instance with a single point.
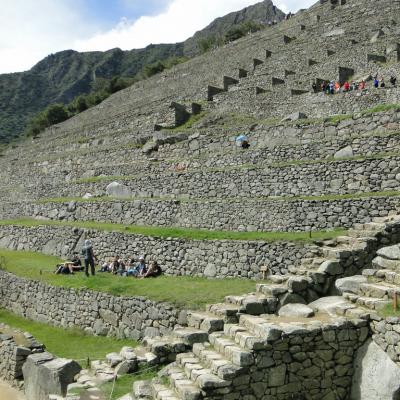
(115, 189)
(44, 375)
(331, 267)
(350, 284)
(376, 377)
(328, 304)
(346, 152)
(296, 310)
(391, 252)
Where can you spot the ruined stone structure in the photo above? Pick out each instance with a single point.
(163, 153)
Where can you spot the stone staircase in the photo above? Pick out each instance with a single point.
(224, 340)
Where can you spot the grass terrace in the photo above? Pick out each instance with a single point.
(183, 233)
(184, 291)
(67, 343)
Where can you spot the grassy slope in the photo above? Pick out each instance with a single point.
(185, 233)
(187, 292)
(66, 343)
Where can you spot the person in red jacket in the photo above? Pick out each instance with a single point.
(346, 86)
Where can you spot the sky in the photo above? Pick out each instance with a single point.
(32, 29)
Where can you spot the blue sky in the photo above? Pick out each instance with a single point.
(32, 29)
(109, 12)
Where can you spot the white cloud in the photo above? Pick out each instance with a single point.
(30, 30)
(181, 19)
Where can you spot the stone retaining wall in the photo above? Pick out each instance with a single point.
(330, 178)
(240, 215)
(95, 312)
(201, 258)
(386, 334)
(309, 361)
(281, 142)
(13, 354)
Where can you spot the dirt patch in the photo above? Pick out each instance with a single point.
(9, 393)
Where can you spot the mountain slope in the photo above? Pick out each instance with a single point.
(62, 76)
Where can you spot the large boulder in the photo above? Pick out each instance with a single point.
(296, 310)
(116, 189)
(350, 284)
(329, 304)
(376, 376)
(390, 252)
(346, 152)
(45, 375)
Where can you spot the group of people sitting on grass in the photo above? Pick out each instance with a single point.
(131, 267)
(333, 87)
(115, 265)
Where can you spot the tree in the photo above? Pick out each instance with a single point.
(55, 114)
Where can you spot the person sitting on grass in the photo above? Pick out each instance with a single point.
(153, 271)
(139, 270)
(69, 267)
(115, 265)
(121, 267)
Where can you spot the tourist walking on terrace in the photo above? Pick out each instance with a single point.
(376, 82)
(87, 252)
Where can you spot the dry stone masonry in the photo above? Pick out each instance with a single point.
(163, 153)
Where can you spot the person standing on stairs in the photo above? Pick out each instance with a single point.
(87, 252)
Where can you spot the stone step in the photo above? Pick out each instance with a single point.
(368, 302)
(382, 275)
(361, 233)
(374, 226)
(388, 219)
(338, 252)
(254, 303)
(229, 312)
(147, 357)
(182, 383)
(278, 279)
(207, 322)
(162, 392)
(195, 377)
(165, 348)
(312, 263)
(380, 262)
(260, 327)
(143, 390)
(229, 349)
(271, 290)
(243, 337)
(190, 335)
(216, 362)
(380, 290)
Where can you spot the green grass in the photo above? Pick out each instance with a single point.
(334, 119)
(67, 343)
(381, 108)
(125, 383)
(184, 233)
(388, 311)
(185, 291)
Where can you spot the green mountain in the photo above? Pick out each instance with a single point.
(60, 77)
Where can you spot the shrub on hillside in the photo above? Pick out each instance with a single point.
(241, 30)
